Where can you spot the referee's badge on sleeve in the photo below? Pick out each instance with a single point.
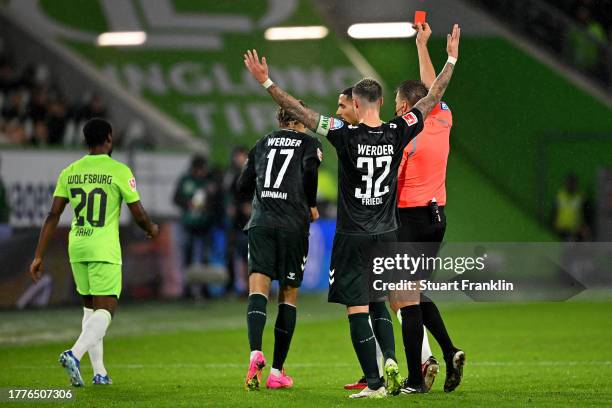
(132, 183)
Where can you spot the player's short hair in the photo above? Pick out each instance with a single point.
(412, 91)
(284, 117)
(348, 92)
(368, 90)
(96, 131)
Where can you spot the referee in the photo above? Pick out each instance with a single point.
(421, 202)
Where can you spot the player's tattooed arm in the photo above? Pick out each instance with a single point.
(259, 70)
(48, 228)
(305, 115)
(426, 104)
(437, 89)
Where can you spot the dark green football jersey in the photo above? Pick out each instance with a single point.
(278, 161)
(368, 162)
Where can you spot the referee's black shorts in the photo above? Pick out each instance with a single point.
(417, 226)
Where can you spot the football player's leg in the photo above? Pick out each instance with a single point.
(453, 357)
(412, 334)
(435, 324)
(426, 349)
(382, 326)
(283, 333)
(429, 365)
(383, 330)
(96, 352)
(259, 288)
(362, 337)
(262, 269)
(67, 359)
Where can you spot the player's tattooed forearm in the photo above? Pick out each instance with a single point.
(306, 116)
(437, 90)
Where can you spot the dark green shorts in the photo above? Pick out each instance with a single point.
(349, 269)
(279, 254)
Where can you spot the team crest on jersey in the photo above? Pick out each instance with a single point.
(443, 106)
(319, 154)
(410, 118)
(132, 183)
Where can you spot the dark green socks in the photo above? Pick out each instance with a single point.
(383, 329)
(256, 319)
(283, 332)
(365, 348)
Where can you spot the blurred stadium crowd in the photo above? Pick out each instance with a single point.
(34, 111)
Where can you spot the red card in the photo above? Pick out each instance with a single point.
(420, 17)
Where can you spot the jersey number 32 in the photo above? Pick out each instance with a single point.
(369, 163)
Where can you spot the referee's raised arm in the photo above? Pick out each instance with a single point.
(437, 89)
(427, 71)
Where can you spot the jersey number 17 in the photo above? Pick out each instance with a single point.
(288, 153)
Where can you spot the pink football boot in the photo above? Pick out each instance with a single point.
(284, 381)
(253, 378)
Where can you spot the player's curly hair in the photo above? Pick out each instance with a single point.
(285, 118)
(368, 89)
(96, 131)
(412, 91)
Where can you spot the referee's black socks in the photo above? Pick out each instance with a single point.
(256, 319)
(412, 334)
(383, 329)
(365, 348)
(434, 323)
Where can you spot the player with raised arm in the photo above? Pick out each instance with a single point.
(422, 191)
(369, 157)
(281, 175)
(380, 319)
(95, 186)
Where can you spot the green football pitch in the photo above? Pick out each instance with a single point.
(179, 354)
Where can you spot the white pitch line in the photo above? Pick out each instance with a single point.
(329, 365)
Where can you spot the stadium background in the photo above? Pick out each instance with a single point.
(526, 114)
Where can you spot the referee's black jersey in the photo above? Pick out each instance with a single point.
(368, 162)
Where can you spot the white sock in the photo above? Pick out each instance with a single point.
(253, 354)
(93, 332)
(425, 350)
(275, 372)
(379, 354)
(96, 353)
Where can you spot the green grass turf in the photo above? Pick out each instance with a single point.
(178, 354)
